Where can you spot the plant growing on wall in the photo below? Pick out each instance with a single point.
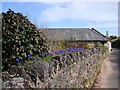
(19, 39)
(99, 44)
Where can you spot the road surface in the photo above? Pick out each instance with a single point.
(109, 77)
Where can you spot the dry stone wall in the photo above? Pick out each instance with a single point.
(74, 70)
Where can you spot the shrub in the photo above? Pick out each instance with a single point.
(19, 39)
(99, 44)
(116, 44)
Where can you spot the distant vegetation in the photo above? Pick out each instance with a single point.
(116, 44)
(115, 41)
(112, 37)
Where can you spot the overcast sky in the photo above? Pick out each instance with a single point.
(102, 16)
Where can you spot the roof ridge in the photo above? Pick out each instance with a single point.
(61, 28)
(98, 32)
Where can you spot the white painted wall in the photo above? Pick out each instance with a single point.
(108, 45)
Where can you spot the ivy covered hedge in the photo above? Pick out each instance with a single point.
(116, 44)
(19, 39)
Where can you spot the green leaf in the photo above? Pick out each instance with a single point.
(17, 53)
(24, 54)
(31, 45)
(31, 52)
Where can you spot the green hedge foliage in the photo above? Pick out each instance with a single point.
(19, 39)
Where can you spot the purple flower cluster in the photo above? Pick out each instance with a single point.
(59, 52)
(50, 54)
(69, 50)
(46, 54)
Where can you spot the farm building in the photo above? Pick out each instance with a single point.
(75, 35)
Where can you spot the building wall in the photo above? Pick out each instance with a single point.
(108, 45)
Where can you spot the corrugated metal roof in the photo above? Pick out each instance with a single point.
(79, 34)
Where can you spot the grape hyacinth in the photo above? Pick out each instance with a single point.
(18, 60)
(69, 50)
(37, 57)
(43, 55)
(29, 56)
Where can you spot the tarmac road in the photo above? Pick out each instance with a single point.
(110, 72)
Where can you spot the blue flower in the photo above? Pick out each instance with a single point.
(35, 58)
(69, 50)
(43, 54)
(65, 50)
(18, 60)
(50, 54)
(29, 56)
(59, 52)
(81, 49)
(56, 52)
